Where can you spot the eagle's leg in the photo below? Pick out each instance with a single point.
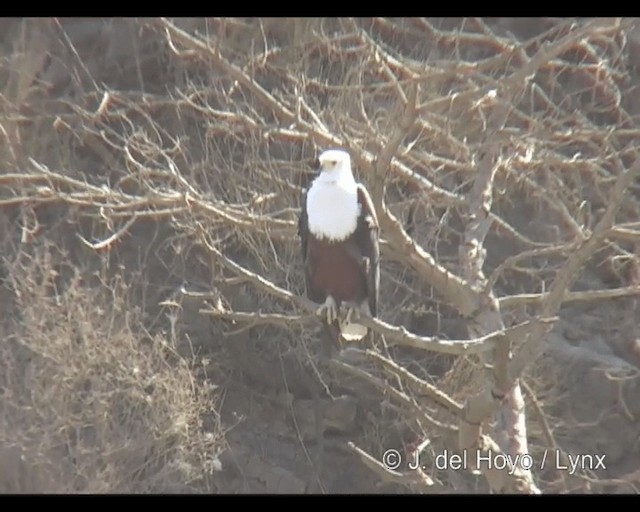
(329, 309)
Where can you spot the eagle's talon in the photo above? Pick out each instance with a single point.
(328, 309)
(351, 312)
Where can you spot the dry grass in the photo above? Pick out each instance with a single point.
(92, 402)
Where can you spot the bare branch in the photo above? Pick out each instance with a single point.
(421, 386)
(360, 157)
(533, 253)
(472, 258)
(567, 275)
(454, 289)
(396, 394)
(107, 243)
(400, 336)
(396, 334)
(258, 317)
(587, 296)
(410, 479)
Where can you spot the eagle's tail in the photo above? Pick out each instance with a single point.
(351, 330)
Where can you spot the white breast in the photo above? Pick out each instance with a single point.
(333, 209)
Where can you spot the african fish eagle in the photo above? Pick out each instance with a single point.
(338, 229)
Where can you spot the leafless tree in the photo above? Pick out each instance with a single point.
(503, 162)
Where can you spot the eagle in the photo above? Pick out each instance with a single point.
(338, 230)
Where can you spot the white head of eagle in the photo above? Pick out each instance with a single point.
(338, 228)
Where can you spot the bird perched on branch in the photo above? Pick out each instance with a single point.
(338, 229)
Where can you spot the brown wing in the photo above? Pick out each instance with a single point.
(303, 232)
(367, 240)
